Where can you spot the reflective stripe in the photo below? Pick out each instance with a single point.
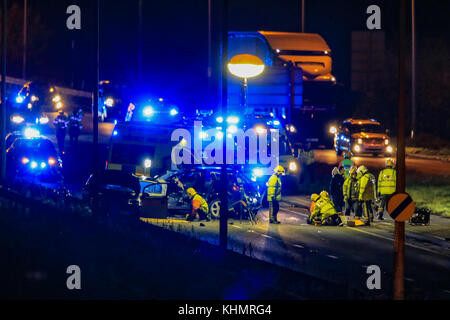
(387, 181)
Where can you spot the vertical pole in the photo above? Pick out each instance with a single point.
(223, 236)
(413, 69)
(140, 64)
(25, 23)
(399, 232)
(292, 92)
(3, 111)
(303, 16)
(96, 86)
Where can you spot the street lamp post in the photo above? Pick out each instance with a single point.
(245, 66)
(3, 110)
(223, 228)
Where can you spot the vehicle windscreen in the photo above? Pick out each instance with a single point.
(118, 182)
(127, 153)
(35, 146)
(370, 128)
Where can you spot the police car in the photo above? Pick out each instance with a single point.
(33, 156)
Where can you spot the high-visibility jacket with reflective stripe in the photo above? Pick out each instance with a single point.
(274, 188)
(351, 189)
(347, 164)
(324, 208)
(367, 187)
(199, 202)
(387, 180)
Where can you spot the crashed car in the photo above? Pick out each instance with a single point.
(114, 193)
(243, 195)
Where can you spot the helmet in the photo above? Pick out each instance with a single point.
(389, 163)
(279, 169)
(353, 171)
(324, 194)
(314, 197)
(191, 192)
(347, 155)
(362, 170)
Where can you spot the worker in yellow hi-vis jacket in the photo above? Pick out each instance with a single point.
(274, 194)
(387, 182)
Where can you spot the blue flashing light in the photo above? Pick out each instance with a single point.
(148, 111)
(33, 164)
(173, 112)
(19, 99)
(115, 122)
(276, 123)
(43, 165)
(115, 133)
(219, 119)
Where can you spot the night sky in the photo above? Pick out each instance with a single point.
(175, 38)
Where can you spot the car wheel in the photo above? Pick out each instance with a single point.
(214, 209)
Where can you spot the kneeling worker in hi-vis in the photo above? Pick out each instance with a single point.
(324, 212)
(274, 194)
(199, 206)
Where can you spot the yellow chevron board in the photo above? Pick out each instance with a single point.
(401, 207)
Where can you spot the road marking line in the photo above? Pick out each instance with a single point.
(440, 238)
(332, 257)
(409, 279)
(390, 239)
(266, 236)
(235, 226)
(296, 212)
(298, 246)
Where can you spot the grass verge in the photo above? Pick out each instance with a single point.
(432, 193)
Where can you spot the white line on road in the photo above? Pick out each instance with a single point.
(297, 212)
(235, 226)
(390, 239)
(266, 236)
(298, 246)
(332, 257)
(409, 279)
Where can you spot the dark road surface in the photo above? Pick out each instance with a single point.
(340, 254)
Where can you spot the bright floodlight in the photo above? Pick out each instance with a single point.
(56, 98)
(148, 111)
(173, 112)
(219, 119)
(147, 163)
(109, 102)
(258, 172)
(31, 133)
(233, 120)
(17, 119)
(19, 99)
(246, 66)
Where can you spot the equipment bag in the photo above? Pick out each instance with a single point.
(421, 217)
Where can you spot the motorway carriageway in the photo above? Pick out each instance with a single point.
(339, 254)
